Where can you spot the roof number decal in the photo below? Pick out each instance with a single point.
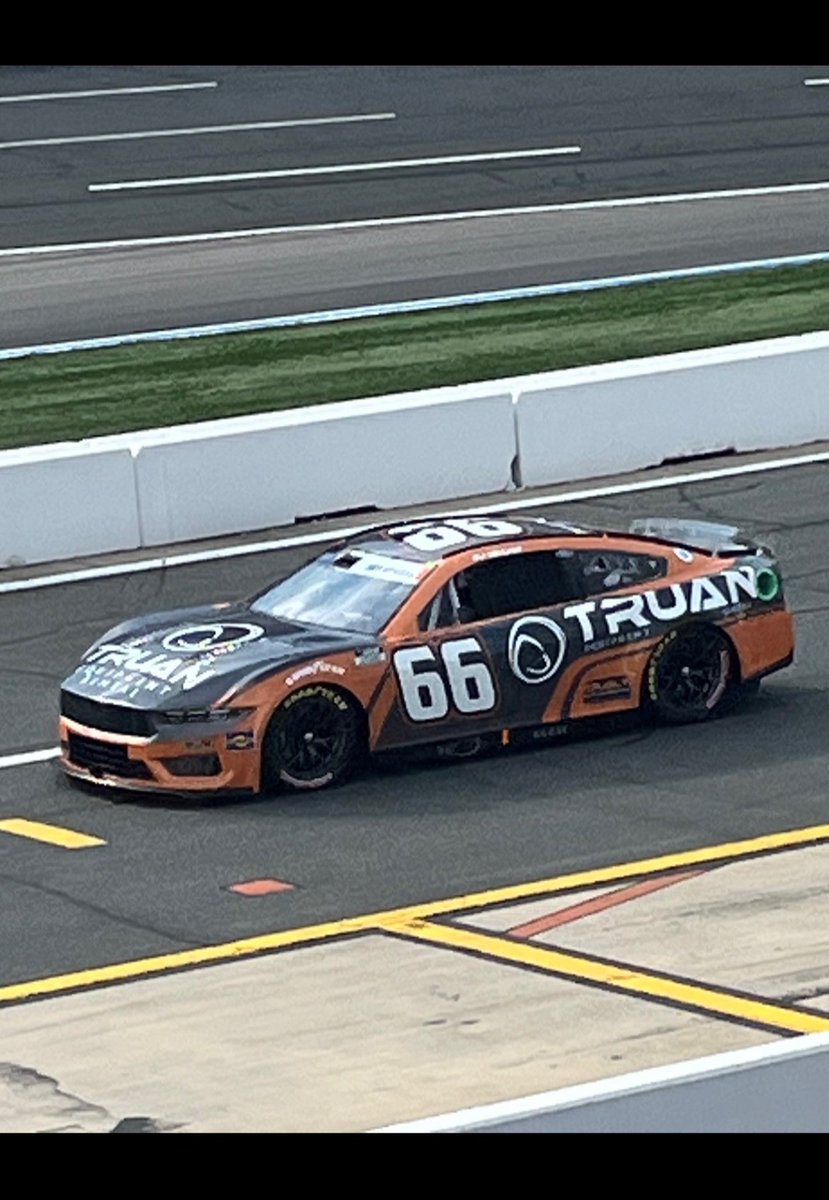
(452, 532)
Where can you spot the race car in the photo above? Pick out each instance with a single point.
(454, 632)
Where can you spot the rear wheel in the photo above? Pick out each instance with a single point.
(690, 674)
(315, 739)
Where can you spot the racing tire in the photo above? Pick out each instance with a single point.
(315, 739)
(691, 675)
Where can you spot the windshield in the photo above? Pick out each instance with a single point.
(351, 590)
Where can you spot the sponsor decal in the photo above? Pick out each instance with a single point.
(132, 668)
(546, 732)
(214, 638)
(315, 668)
(121, 668)
(316, 690)
(683, 555)
(369, 656)
(658, 653)
(602, 622)
(245, 739)
(535, 649)
(612, 687)
(536, 645)
(383, 567)
(499, 552)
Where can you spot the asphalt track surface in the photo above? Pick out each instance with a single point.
(403, 835)
(130, 888)
(420, 940)
(653, 132)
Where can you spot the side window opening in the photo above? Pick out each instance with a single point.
(520, 583)
(511, 584)
(441, 609)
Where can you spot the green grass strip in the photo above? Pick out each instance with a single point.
(84, 393)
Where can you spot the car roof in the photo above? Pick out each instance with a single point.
(394, 540)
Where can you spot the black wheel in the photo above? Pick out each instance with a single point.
(690, 675)
(315, 739)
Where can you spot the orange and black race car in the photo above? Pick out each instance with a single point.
(455, 632)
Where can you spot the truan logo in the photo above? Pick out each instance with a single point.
(199, 639)
(535, 649)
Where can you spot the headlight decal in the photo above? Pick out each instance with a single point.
(187, 716)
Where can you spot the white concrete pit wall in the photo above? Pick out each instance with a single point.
(65, 500)
(254, 472)
(593, 421)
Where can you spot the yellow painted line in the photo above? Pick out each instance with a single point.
(204, 955)
(392, 918)
(53, 834)
(620, 978)
(710, 855)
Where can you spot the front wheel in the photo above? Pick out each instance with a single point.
(690, 674)
(315, 739)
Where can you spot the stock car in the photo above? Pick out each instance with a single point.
(453, 633)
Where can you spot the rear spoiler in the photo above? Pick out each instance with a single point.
(695, 535)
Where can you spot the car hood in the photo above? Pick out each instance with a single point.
(193, 656)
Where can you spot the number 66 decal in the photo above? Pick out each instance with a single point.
(427, 683)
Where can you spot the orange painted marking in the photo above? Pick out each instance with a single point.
(260, 887)
(598, 904)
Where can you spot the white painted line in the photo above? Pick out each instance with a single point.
(816, 82)
(343, 169)
(333, 535)
(124, 91)
(419, 219)
(196, 130)
(29, 756)
(410, 306)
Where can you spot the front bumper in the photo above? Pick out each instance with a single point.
(189, 765)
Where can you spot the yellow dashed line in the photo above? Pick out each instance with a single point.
(53, 834)
(402, 918)
(618, 977)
